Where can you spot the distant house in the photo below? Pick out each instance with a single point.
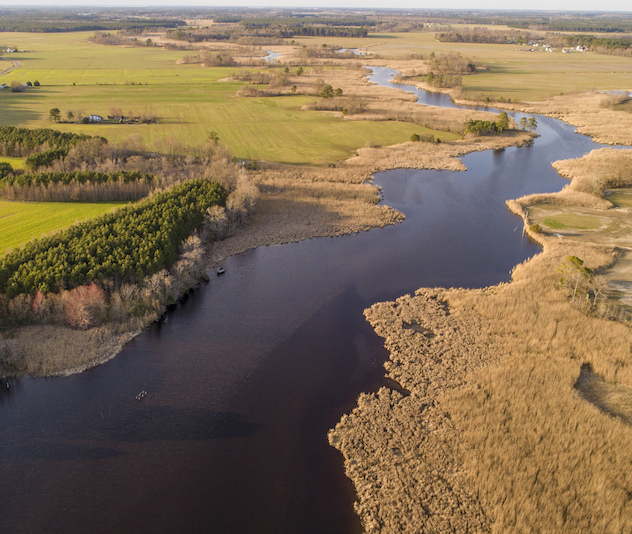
(10, 50)
(95, 118)
(4, 86)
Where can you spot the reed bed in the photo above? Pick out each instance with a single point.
(499, 429)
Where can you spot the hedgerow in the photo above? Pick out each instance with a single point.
(80, 177)
(12, 138)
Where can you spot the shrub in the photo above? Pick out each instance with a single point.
(85, 306)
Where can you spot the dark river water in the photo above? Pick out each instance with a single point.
(245, 378)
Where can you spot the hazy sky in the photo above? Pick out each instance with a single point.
(570, 5)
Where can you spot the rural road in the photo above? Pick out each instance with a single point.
(16, 64)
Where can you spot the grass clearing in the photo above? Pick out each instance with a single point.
(625, 106)
(16, 163)
(22, 221)
(571, 220)
(621, 198)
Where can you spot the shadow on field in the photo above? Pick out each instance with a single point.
(12, 110)
(613, 399)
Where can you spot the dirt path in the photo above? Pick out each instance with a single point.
(16, 64)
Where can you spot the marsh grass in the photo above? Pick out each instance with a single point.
(503, 430)
(46, 350)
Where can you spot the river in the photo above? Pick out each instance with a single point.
(245, 378)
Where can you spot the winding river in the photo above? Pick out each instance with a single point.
(245, 378)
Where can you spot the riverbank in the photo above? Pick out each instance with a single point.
(295, 203)
(47, 350)
(499, 431)
(298, 203)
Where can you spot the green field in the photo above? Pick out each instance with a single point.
(526, 76)
(22, 221)
(16, 163)
(189, 101)
(572, 220)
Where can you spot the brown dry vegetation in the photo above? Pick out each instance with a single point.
(443, 156)
(593, 113)
(385, 103)
(297, 203)
(46, 350)
(586, 111)
(502, 431)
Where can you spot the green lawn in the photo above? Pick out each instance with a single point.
(572, 220)
(22, 221)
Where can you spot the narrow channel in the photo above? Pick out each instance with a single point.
(245, 378)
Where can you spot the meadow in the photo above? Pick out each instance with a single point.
(21, 221)
(16, 163)
(506, 72)
(189, 101)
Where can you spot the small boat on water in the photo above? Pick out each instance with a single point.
(220, 270)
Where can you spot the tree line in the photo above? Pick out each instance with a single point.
(482, 35)
(21, 142)
(133, 242)
(606, 45)
(77, 186)
(81, 177)
(52, 21)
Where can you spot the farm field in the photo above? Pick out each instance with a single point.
(22, 221)
(510, 73)
(189, 101)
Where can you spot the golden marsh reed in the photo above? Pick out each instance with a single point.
(501, 431)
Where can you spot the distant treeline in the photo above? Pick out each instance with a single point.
(238, 33)
(56, 21)
(20, 142)
(133, 242)
(482, 35)
(580, 25)
(298, 21)
(599, 44)
(596, 22)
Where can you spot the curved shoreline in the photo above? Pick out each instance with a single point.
(583, 110)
